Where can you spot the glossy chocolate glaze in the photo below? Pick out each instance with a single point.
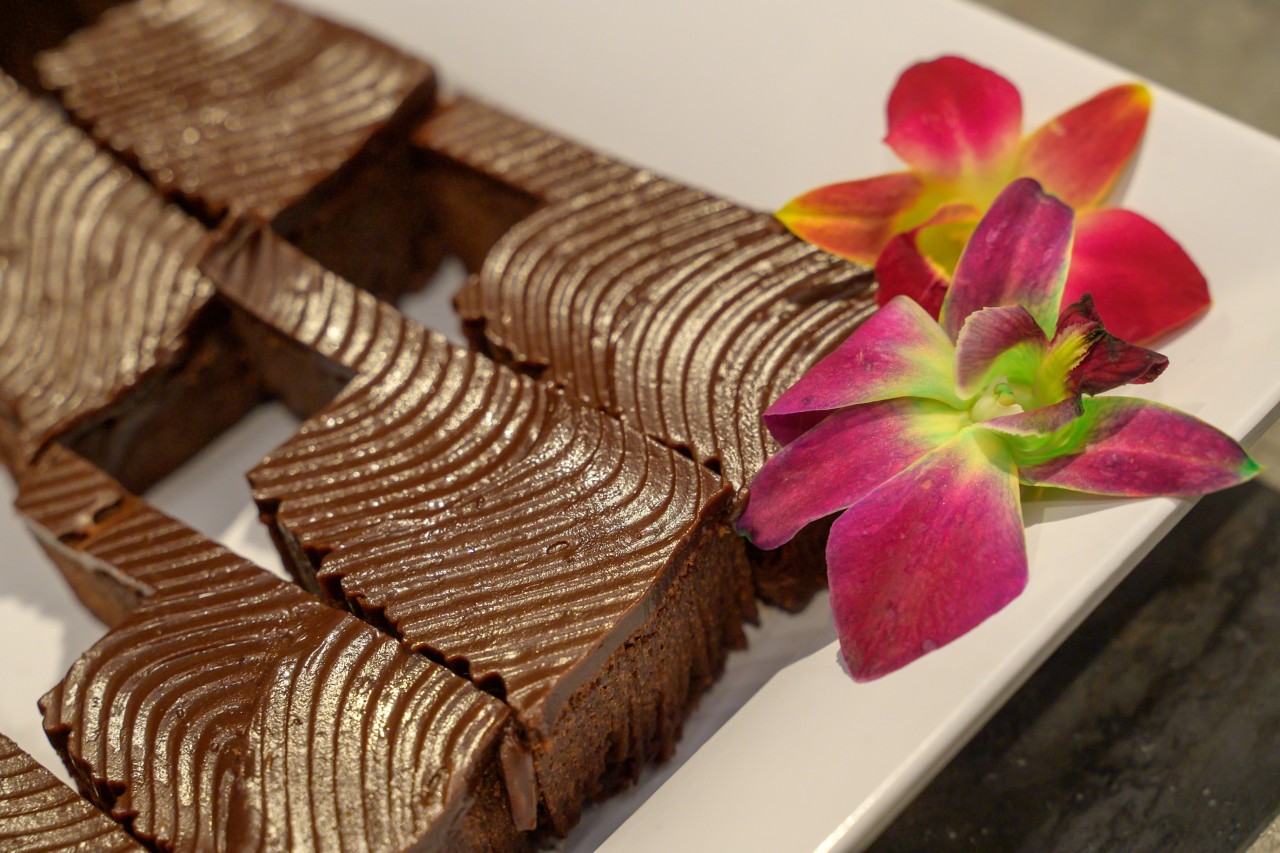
(38, 812)
(683, 313)
(474, 512)
(231, 710)
(99, 299)
(254, 106)
(680, 312)
(236, 105)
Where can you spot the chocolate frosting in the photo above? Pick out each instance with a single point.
(235, 105)
(474, 512)
(96, 291)
(37, 812)
(232, 710)
(681, 312)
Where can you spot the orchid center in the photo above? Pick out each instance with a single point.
(981, 185)
(1001, 398)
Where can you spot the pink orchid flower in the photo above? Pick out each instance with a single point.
(958, 126)
(920, 432)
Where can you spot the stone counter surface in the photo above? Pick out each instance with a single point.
(1156, 726)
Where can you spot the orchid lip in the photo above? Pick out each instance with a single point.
(1000, 400)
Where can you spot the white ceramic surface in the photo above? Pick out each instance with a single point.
(756, 101)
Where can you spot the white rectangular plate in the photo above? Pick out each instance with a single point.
(758, 101)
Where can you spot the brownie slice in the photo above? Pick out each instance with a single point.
(681, 312)
(254, 106)
(583, 573)
(107, 329)
(230, 710)
(38, 812)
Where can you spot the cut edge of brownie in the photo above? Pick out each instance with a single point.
(630, 712)
(175, 411)
(339, 217)
(195, 392)
(621, 706)
(700, 616)
(93, 527)
(367, 198)
(39, 812)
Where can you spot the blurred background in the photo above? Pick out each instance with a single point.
(1156, 726)
(1225, 54)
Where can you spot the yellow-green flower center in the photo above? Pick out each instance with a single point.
(1000, 398)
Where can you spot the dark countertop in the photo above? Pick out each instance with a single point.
(1156, 726)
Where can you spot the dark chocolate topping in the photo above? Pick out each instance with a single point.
(37, 812)
(237, 105)
(96, 292)
(681, 312)
(232, 710)
(474, 512)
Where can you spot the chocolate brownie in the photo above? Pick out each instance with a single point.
(108, 336)
(682, 313)
(231, 710)
(585, 574)
(38, 812)
(254, 106)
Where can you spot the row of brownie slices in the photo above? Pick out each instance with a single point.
(535, 535)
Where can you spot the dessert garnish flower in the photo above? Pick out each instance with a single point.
(958, 127)
(920, 432)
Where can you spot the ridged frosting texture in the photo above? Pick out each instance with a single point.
(683, 313)
(239, 105)
(232, 710)
(96, 280)
(474, 512)
(38, 812)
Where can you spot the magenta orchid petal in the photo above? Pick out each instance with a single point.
(987, 335)
(1017, 256)
(898, 352)
(1137, 448)
(927, 556)
(1108, 361)
(835, 464)
(1144, 283)
(950, 116)
(903, 270)
(1037, 422)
